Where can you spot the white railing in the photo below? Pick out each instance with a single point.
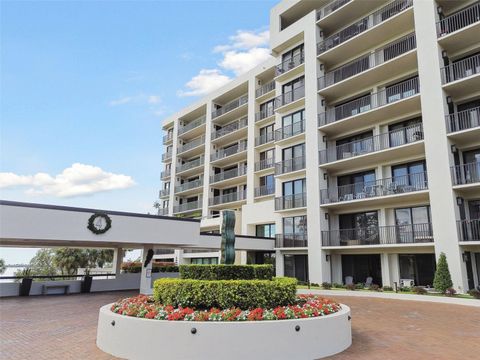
(461, 69)
(463, 120)
(230, 128)
(459, 20)
(265, 89)
(191, 125)
(242, 100)
(331, 7)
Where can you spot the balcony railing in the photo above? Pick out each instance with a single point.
(167, 155)
(468, 230)
(363, 25)
(190, 164)
(461, 69)
(291, 201)
(264, 89)
(394, 138)
(291, 240)
(369, 61)
(242, 100)
(290, 64)
(264, 114)
(369, 102)
(379, 235)
(162, 212)
(192, 125)
(463, 120)
(264, 138)
(264, 164)
(167, 138)
(290, 165)
(191, 145)
(165, 174)
(223, 153)
(264, 190)
(229, 174)
(459, 20)
(466, 173)
(164, 192)
(230, 128)
(189, 185)
(367, 190)
(331, 7)
(228, 198)
(290, 97)
(290, 130)
(189, 206)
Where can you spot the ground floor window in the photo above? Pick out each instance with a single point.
(261, 257)
(265, 230)
(200, 261)
(361, 267)
(418, 267)
(296, 266)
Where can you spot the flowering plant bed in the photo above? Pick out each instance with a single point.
(306, 306)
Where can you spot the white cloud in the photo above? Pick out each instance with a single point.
(137, 99)
(121, 101)
(153, 99)
(76, 180)
(245, 50)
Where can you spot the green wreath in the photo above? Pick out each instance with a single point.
(91, 225)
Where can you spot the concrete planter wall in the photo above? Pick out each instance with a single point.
(135, 338)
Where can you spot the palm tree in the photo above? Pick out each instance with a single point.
(2, 266)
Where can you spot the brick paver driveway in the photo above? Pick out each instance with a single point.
(64, 327)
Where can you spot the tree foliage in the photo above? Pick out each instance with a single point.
(442, 280)
(2, 266)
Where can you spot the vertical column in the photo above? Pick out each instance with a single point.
(251, 141)
(146, 275)
(117, 260)
(436, 143)
(394, 269)
(208, 149)
(173, 170)
(279, 264)
(385, 264)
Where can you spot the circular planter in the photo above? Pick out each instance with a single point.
(312, 338)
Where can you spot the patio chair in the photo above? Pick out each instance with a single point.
(368, 282)
(348, 280)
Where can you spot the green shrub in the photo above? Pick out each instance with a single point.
(475, 293)
(226, 272)
(136, 267)
(442, 280)
(224, 294)
(326, 285)
(337, 285)
(359, 286)
(314, 285)
(387, 288)
(350, 287)
(405, 289)
(419, 290)
(375, 287)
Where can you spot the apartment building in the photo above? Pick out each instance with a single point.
(357, 146)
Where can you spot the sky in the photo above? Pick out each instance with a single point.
(85, 85)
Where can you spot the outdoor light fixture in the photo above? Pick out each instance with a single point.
(327, 257)
(440, 10)
(324, 138)
(459, 201)
(464, 257)
(325, 176)
(327, 216)
(449, 100)
(454, 149)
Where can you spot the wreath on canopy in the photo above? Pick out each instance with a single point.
(91, 225)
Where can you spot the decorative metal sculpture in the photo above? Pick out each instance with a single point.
(228, 237)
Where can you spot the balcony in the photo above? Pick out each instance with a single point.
(289, 98)
(290, 165)
(331, 7)
(266, 138)
(289, 131)
(229, 154)
(165, 174)
(380, 235)
(264, 190)
(190, 185)
(463, 127)
(167, 156)
(229, 174)
(291, 240)
(265, 114)
(264, 164)
(227, 198)
(265, 89)
(189, 128)
(190, 166)
(460, 30)
(373, 191)
(395, 139)
(232, 128)
(164, 193)
(290, 67)
(462, 78)
(295, 201)
(392, 59)
(192, 148)
(390, 20)
(232, 105)
(468, 230)
(167, 138)
(466, 174)
(187, 207)
(162, 212)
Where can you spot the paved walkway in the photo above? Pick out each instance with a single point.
(64, 327)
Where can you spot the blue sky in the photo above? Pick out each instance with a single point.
(85, 86)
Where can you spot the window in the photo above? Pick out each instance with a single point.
(266, 133)
(471, 167)
(405, 132)
(269, 154)
(295, 56)
(293, 124)
(267, 181)
(353, 185)
(295, 227)
(359, 226)
(292, 85)
(417, 267)
(413, 224)
(355, 145)
(267, 108)
(353, 106)
(293, 152)
(265, 230)
(474, 209)
(468, 116)
(295, 187)
(204, 261)
(398, 48)
(410, 175)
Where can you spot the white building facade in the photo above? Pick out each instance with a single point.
(357, 146)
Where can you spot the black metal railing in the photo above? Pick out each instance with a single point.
(290, 97)
(265, 164)
(189, 185)
(394, 138)
(290, 64)
(383, 187)
(192, 125)
(363, 25)
(369, 61)
(242, 100)
(264, 190)
(291, 201)
(227, 198)
(191, 145)
(230, 128)
(331, 7)
(189, 206)
(290, 165)
(291, 240)
(379, 235)
(466, 173)
(369, 102)
(264, 114)
(223, 153)
(190, 164)
(463, 120)
(229, 174)
(459, 20)
(265, 138)
(265, 89)
(468, 230)
(461, 69)
(290, 130)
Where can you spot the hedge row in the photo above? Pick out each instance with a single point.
(136, 267)
(225, 294)
(227, 272)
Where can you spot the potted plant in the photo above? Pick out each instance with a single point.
(87, 281)
(26, 283)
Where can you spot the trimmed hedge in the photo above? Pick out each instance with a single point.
(227, 272)
(225, 294)
(136, 267)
